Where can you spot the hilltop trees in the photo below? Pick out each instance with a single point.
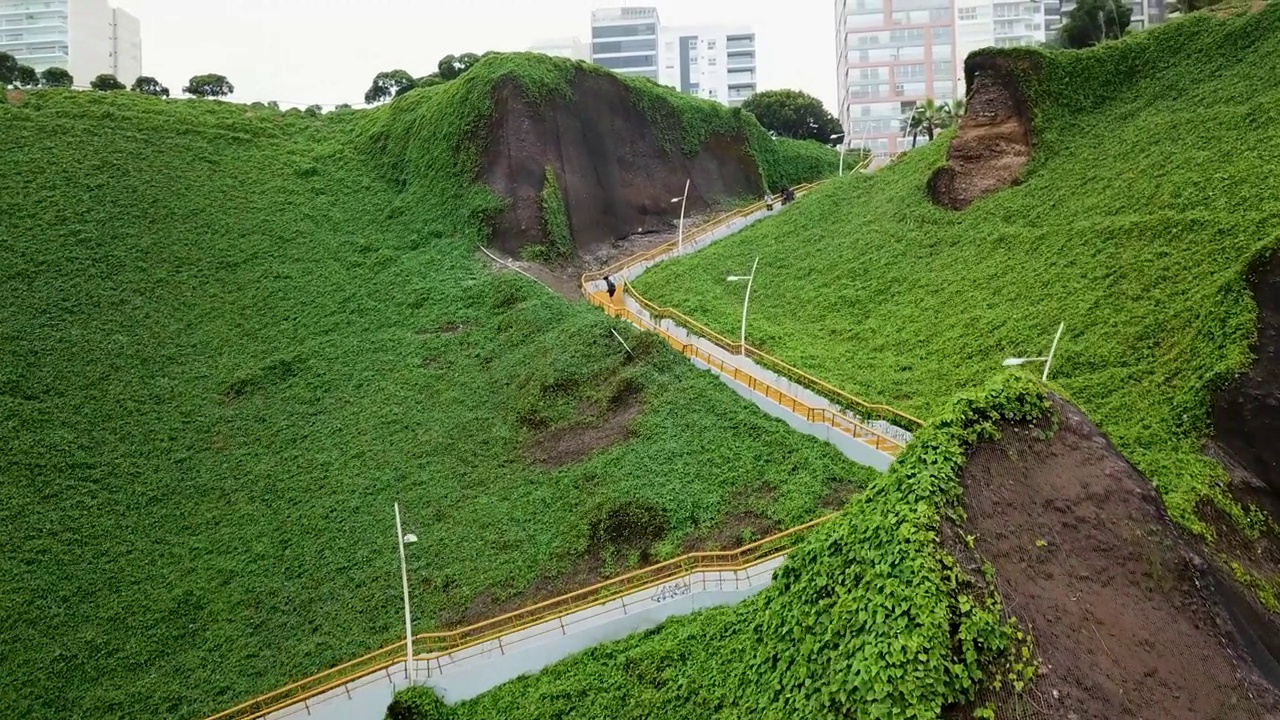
(394, 83)
(451, 66)
(389, 84)
(106, 82)
(56, 77)
(1092, 22)
(793, 114)
(209, 86)
(8, 69)
(148, 85)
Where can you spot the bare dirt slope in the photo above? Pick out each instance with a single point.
(1121, 608)
(993, 142)
(614, 174)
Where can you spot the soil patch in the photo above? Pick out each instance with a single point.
(1119, 604)
(1246, 414)
(558, 447)
(993, 142)
(838, 496)
(615, 175)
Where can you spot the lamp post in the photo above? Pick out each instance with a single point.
(404, 539)
(843, 145)
(1048, 360)
(742, 344)
(682, 200)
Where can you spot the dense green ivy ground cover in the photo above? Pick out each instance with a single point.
(230, 339)
(868, 618)
(1151, 191)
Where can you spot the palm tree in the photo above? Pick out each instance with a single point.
(926, 118)
(954, 111)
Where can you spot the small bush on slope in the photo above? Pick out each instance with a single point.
(808, 160)
(1152, 190)
(227, 346)
(869, 618)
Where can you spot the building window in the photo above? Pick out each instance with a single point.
(967, 13)
(865, 111)
(711, 93)
(711, 61)
(711, 45)
(693, 43)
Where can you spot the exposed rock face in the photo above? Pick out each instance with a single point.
(616, 179)
(1246, 414)
(993, 142)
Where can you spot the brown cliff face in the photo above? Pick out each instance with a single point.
(993, 142)
(615, 177)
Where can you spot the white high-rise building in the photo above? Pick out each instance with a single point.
(713, 62)
(569, 47)
(997, 23)
(625, 40)
(126, 46)
(86, 37)
(716, 63)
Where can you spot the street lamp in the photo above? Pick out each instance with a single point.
(742, 344)
(1048, 360)
(404, 539)
(843, 145)
(682, 199)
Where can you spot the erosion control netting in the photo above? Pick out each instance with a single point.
(1116, 601)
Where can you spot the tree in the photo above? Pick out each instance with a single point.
(27, 77)
(314, 110)
(1092, 22)
(793, 114)
(106, 82)
(56, 77)
(954, 110)
(342, 108)
(429, 80)
(927, 118)
(273, 105)
(388, 84)
(209, 86)
(148, 85)
(450, 66)
(8, 70)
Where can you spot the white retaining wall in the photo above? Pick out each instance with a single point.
(467, 673)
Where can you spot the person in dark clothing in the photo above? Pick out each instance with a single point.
(609, 286)
(788, 196)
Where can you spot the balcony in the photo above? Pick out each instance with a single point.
(732, 44)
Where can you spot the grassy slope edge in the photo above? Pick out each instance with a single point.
(868, 618)
(234, 337)
(1144, 207)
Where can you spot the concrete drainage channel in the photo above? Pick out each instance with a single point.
(467, 672)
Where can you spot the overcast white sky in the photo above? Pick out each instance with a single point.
(326, 51)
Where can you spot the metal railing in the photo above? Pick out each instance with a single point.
(441, 644)
(823, 416)
(867, 410)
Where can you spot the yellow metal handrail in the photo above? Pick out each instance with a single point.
(440, 644)
(849, 426)
(871, 410)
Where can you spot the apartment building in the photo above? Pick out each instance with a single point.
(87, 37)
(569, 47)
(891, 54)
(716, 63)
(713, 62)
(997, 23)
(625, 40)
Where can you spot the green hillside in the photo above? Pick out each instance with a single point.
(1152, 188)
(1150, 194)
(231, 339)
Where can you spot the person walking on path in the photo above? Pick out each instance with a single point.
(609, 286)
(768, 201)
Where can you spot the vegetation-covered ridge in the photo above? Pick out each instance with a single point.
(869, 618)
(1137, 222)
(232, 337)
